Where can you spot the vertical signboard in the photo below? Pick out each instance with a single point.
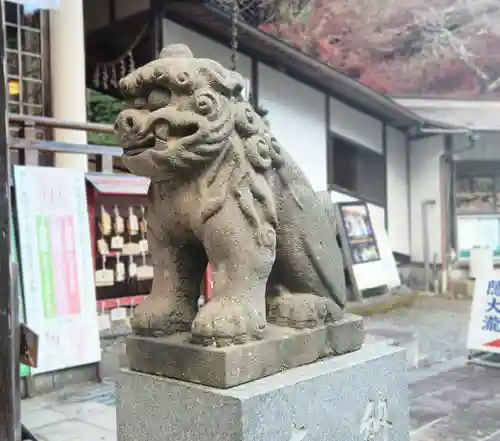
(57, 266)
(359, 232)
(367, 250)
(484, 323)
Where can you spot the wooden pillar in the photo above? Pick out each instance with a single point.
(10, 428)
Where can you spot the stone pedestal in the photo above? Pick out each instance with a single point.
(281, 349)
(360, 396)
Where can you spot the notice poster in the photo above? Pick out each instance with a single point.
(57, 267)
(359, 231)
(484, 323)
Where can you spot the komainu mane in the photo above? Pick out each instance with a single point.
(224, 190)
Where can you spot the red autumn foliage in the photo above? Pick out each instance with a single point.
(386, 46)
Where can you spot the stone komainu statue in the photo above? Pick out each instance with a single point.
(223, 190)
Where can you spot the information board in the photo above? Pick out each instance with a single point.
(478, 231)
(57, 268)
(484, 323)
(368, 255)
(359, 232)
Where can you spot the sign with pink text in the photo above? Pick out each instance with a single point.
(57, 267)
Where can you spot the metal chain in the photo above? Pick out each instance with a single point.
(234, 34)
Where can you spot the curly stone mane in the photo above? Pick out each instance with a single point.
(196, 118)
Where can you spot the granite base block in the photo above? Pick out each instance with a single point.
(358, 396)
(282, 348)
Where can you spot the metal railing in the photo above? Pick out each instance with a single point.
(28, 147)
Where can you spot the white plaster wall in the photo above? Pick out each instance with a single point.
(203, 47)
(424, 185)
(398, 211)
(297, 116)
(354, 125)
(367, 131)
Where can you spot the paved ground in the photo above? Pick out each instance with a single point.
(75, 414)
(439, 330)
(450, 400)
(460, 405)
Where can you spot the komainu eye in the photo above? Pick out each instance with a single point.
(159, 98)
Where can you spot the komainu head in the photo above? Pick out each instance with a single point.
(180, 112)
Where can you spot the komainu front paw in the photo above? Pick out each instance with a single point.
(158, 315)
(227, 321)
(302, 310)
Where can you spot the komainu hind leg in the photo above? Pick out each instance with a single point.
(297, 310)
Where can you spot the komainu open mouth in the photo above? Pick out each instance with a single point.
(181, 131)
(167, 131)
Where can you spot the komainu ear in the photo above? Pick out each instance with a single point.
(176, 51)
(223, 80)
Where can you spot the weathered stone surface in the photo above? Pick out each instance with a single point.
(223, 189)
(282, 348)
(354, 397)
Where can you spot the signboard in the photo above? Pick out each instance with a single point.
(57, 268)
(479, 231)
(359, 232)
(484, 323)
(368, 254)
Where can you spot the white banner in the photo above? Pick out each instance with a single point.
(484, 323)
(57, 268)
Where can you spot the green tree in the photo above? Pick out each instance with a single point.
(102, 109)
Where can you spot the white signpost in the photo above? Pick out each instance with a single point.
(57, 267)
(484, 323)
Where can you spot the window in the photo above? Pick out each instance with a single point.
(26, 58)
(25, 35)
(357, 170)
(477, 194)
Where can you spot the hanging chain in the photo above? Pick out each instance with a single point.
(234, 34)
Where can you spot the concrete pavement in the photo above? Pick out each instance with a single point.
(460, 405)
(79, 413)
